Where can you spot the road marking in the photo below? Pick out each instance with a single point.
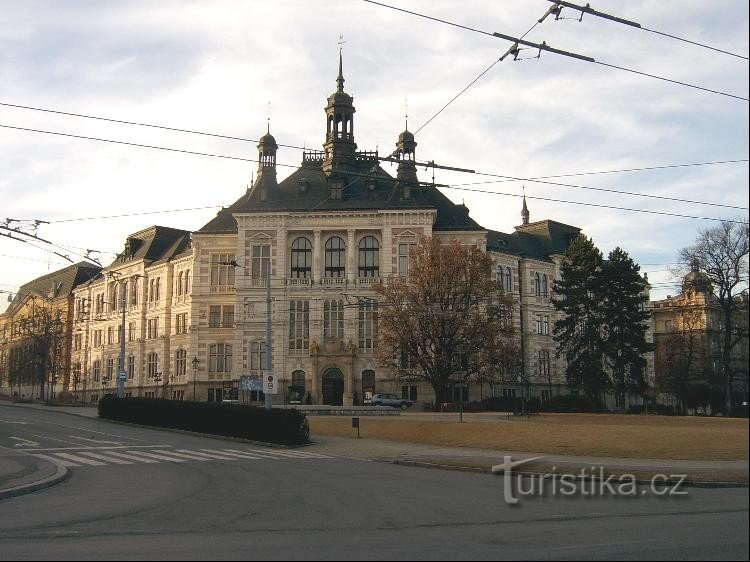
(100, 441)
(104, 457)
(132, 457)
(239, 454)
(16, 422)
(213, 455)
(184, 455)
(85, 448)
(24, 442)
(53, 439)
(55, 460)
(155, 456)
(78, 459)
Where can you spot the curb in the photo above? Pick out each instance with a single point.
(481, 470)
(60, 475)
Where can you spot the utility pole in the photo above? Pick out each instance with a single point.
(122, 375)
(269, 335)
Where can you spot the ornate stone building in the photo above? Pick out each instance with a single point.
(195, 304)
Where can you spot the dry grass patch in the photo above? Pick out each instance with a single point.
(603, 435)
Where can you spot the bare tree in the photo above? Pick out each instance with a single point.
(721, 254)
(448, 321)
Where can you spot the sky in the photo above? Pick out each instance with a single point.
(232, 67)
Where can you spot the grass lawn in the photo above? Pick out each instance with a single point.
(605, 435)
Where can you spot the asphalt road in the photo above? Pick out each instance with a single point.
(138, 493)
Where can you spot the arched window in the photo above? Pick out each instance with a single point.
(335, 257)
(301, 258)
(545, 286)
(368, 385)
(369, 257)
(508, 280)
(297, 388)
(499, 275)
(187, 281)
(537, 285)
(179, 284)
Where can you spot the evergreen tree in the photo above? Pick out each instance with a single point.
(579, 295)
(624, 322)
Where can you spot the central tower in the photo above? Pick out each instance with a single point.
(340, 148)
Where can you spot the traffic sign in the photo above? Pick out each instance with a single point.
(123, 376)
(270, 384)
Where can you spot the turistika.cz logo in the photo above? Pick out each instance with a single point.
(589, 481)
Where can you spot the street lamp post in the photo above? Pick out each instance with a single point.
(195, 375)
(157, 380)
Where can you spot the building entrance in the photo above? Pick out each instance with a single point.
(333, 387)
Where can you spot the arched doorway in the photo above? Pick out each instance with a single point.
(333, 387)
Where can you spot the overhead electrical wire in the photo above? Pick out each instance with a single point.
(167, 149)
(545, 47)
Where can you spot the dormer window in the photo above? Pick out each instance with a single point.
(336, 188)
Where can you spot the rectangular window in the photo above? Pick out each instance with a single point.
(220, 358)
(333, 319)
(181, 362)
(538, 324)
(110, 335)
(409, 392)
(152, 361)
(153, 328)
(181, 323)
(131, 367)
(222, 274)
(214, 316)
(227, 313)
(545, 326)
(257, 356)
(132, 331)
(110, 368)
(77, 342)
(367, 325)
(97, 370)
(299, 325)
(404, 258)
(260, 261)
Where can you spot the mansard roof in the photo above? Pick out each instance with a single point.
(154, 244)
(367, 187)
(538, 240)
(55, 285)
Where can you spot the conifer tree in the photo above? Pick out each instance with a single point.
(625, 323)
(579, 295)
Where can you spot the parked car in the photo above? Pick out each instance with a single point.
(392, 400)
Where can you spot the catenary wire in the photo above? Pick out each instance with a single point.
(364, 175)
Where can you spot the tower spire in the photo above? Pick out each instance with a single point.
(524, 209)
(340, 78)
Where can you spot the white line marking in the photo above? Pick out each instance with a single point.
(78, 459)
(99, 441)
(214, 455)
(185, 455)
(132, 457)
(54, 460)
(240, 454)
(155, 456)
(85, 448)
(24, 442)
(16, 422)
(104, 458)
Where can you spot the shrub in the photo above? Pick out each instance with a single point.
(286, 427)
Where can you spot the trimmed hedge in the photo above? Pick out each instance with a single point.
(285, 427)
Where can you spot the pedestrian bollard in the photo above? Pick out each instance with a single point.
(355, 424)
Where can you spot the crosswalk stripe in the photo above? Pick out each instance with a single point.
(132, 457)
(287, 454)
(155, 456)
(234, 454)
(213, 455)
(54, 460)
(183, 454)
(81, 460)
(104, 457)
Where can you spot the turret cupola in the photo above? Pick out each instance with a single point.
(407, 169)
(340, 147)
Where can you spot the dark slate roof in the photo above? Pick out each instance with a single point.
(538, 240)
(307, 190)
(57, 284)
(154, 244)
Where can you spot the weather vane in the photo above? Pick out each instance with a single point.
(341, 42)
